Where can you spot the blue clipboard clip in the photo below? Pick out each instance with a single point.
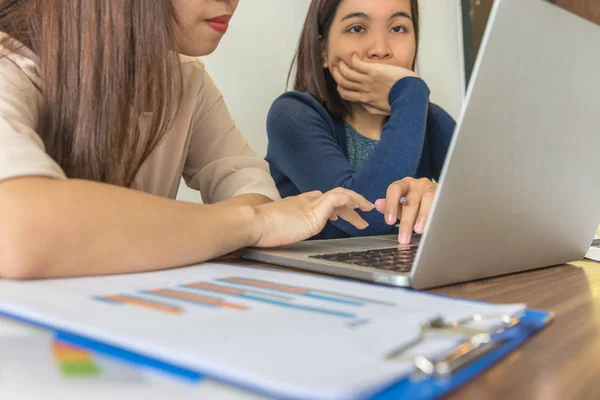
(474, 342)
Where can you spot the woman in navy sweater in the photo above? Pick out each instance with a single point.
(360, 117)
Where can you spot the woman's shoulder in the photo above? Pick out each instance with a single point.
(22, 150)
(298, 105)
(193, 69)
(199, 90)
(20, 82)
(295, 112)
(195, 62)
(18, 64)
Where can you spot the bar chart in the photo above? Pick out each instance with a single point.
(242, 294)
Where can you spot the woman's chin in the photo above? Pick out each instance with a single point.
(199, 48)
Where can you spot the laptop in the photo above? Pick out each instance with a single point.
(520, 188)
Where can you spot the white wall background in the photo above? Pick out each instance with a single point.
(441, 53)
(252, 62)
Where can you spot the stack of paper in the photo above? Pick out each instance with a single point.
(279, 333)
(594, 251)
(34, 365)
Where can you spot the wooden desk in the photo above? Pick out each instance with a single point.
(563, 360)
(560, 362)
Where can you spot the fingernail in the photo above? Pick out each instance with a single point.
(420, 226)
(404, 238)
(390, 219)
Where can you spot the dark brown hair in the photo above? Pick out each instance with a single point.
(110, 82)
(311, 77)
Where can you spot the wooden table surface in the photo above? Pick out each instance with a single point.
(560, 362)
(563, 360)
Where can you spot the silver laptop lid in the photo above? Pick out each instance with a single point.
(520, 188)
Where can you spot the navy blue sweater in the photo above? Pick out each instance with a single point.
(308, 151)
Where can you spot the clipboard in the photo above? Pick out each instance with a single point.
(339, 307)
(434, 384)
(479, 350)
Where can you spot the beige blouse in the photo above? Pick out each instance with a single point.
(203, 145)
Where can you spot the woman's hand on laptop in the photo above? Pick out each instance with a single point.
(368, 83)
(300, 217)
(413, 215)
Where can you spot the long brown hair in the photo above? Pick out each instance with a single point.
(311, 77)
(110, 82)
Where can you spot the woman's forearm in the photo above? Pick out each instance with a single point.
(56, 228)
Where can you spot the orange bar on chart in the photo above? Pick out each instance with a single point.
(267, 285)
(197, 299)
(216, 288)
(167, 308)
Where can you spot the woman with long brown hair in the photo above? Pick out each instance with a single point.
(360, 117)
(100, 117)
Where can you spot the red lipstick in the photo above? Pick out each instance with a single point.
(220, 23)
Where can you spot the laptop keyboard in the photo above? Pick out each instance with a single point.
(391, 259)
